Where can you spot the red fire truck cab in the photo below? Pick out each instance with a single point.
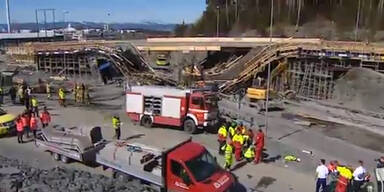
(189, 109)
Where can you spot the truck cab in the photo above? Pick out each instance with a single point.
(203, 108)
(195, 171)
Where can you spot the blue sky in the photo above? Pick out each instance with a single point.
(164, 11)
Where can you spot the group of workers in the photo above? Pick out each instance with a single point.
(236, 138)
(344, 177)
(28, 122)
(25, 98)
(81, 93)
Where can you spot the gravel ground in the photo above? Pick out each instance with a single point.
(14, 172)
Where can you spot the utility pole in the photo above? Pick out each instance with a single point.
(298, 16)
(269, 75)
(37, 24)
(8, 15)
(218, 22)
(64, 13)
(357, 20)
(271, 23)
(45, 20)
(226, 11)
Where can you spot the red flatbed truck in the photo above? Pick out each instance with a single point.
(184, 167)
(189, 109)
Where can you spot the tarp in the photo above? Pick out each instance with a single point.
(104, 66)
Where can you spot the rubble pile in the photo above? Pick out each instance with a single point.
(15, 174)
(361, 89)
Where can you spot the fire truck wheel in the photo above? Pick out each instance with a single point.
(64, 159)
(189, 126)
(122, 177)
(146, 121)
(56, 156)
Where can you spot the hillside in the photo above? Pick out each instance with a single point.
(330, 19)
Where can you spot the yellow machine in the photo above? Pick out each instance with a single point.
(162, 60)
(256, 93)
(7, 123)
(257, 96)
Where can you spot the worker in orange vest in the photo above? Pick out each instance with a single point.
(33, 125)
(45, 117)
(19, 129)
(25, 120)
(259, 145)
(238, 141)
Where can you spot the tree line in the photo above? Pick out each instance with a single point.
(239, 16)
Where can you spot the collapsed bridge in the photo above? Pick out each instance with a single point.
(308, 67)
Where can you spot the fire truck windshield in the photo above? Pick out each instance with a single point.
(203, 166)
(211, 102)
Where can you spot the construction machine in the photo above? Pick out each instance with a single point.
(162, 60)
(256, 96)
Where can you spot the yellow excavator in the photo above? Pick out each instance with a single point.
(257, 93)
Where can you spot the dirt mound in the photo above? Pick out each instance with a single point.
(361, 89)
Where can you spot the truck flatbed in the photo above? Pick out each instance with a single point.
(69, 145)
(135, 159)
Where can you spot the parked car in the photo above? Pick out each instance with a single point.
(7, 123)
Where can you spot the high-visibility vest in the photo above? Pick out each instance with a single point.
(45, 117)
(228, 151)
(34, 102)
(290, 158)
(61, 94)
(249, 153)
(19, 126)
(1, 91)
(345, 172)
(115, 122)
(231, 131)
(238, 138)
(33, 123)
(222, 133)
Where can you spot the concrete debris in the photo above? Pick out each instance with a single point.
(307, 152)
(57, 179)
(58, 78)
(303, 123)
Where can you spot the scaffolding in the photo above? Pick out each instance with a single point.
(311, 78)
(64, 63)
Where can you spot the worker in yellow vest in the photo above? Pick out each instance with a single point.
(35, 106)
(232, 129)
(222, 134)
(238, 142)
(345, 176)
(249, 154)
(228, 155)
(61, 97)
(116, 125)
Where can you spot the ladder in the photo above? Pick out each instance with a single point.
(305, 85)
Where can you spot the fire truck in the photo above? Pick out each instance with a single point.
(188, 109)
